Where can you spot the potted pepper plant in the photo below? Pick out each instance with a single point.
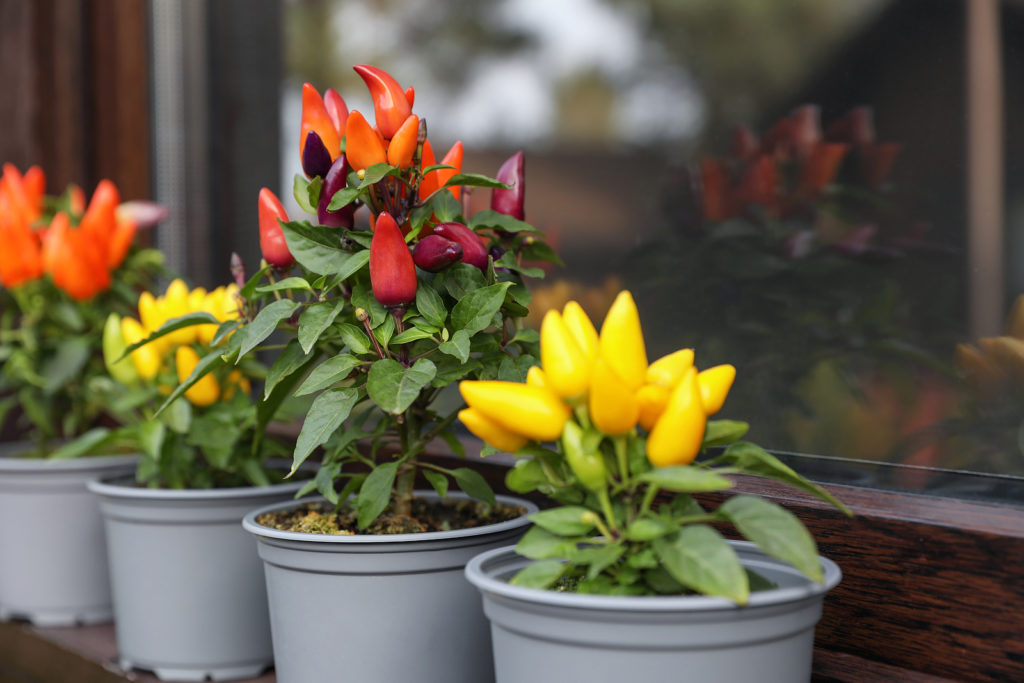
(372, 325)
(628, 573)
(189, 601)
(65, 264)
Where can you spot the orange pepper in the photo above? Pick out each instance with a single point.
(403, 145)
(316, 117)
(20, 257)
(391, 106)
(363, 146)
(452, 158)
(429, 182)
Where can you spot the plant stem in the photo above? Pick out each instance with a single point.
(619, 442)
(606, 509)
(649, 496)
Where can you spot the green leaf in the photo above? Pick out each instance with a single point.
(410, 335)
(394, 387)
(722, 432)
(438, 481)
(206, 364)
(541, 251)
(375, 173)
(475, 311)
(473, 484)
(182, 321)
(65, 365)
(776, 531)
(475, 180)
(81, 445)
(526, 476)
(446, 207)
(300, 190)
(362, 297)
(541, 544)
(457, 346)
(314, 320)
(287, 283)
(698, 557)
(750, 458)
(350, 265)
(178, 416)
(224, 330)
(383, 332)
(151, 438)
(216, 434)
(343, 198)
(327, 373)
(316, 248)
(685, 479)
(541, 574)
(267, 408)
(263, 325)
(461, 279)
(598, 558)
(375, 493)
(324, 481)
(489, 218)
(430, 305)
(291, 359)
(648, 529)
(328, 412)
(564, 521)
(355, 339)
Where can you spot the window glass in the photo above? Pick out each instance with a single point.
(785, 186)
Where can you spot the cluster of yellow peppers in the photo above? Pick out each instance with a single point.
(149, 360)
(604, 380)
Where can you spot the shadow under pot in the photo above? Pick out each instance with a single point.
(189, 598)
(546, 636)
(379, 607)
(53, 556)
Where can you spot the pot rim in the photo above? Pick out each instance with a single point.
(10, 462)
(481, 576)
(250, 524)
(107, 487)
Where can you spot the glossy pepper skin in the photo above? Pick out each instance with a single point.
(491, 432)
(452, 158)
(614, 409)
(403, 145)
(75, 260)
(622, 341)
(511, 202)
(582, 330)
(473, 251)
(679, 432)
(272, 241)
(316, 160)
(565, 365)
(391, 107)
(145, 358)
(336, 179)
(392, 271)
(363, 146)
(714, 386)
(434, 253)
(530, 411)
(21, 258)
(206, 391)
(316, 118)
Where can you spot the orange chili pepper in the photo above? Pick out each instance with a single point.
(363, 147)
(316, 117)
(403, 145)
(452, 158)
(429, 182)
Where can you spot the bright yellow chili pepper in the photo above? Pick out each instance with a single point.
(714, 386)
(491, 432)
(176, 304)
(668, 370)
(622, 341)
(204, 392)
(652, 399)
(613, 406)
(564, 364)
(535, 377)
(530, 411)
(582, 330)
(145, 358)
(678, 434)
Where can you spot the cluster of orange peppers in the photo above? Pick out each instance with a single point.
(606, 382)
(78, 250)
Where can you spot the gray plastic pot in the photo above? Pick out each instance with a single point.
(53, 557)
(379, 609)
(189, 598)
(551, 637)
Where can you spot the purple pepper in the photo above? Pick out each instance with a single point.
(473, 250)
(316, 160)
(510, 202)
(434, 253)
(335, 180)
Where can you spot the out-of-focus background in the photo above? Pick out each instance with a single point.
(856, 250)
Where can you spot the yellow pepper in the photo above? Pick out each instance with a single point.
(204, 392)
(651, 399)
(533, 412)
(678, 434)
(564, 364)
(714, 386)
(613, 406)
(491, 432)
(622, 341)
(145, 358)
(176, 304)
(668, 370)
(535, 377)
(582, 330)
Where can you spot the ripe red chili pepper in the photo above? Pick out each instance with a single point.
(20, 257)
(75, 260)
(336, 108)
(390, 104)
(434, 253)
(510, 202)
(272, 242)
(392, 271)
(473, 250)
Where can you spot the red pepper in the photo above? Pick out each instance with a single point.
(272, 242)
(362, 144)
(390, 104)
(428, 185)
(510, 202)
(392, 271)
(473, 250)
(20, 257)
(434, 253)
(316, 118)
(336, 108)
(100, 220)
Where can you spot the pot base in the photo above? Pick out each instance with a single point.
(45, 618)
(206, 673)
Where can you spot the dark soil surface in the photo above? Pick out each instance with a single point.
(321, 518)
